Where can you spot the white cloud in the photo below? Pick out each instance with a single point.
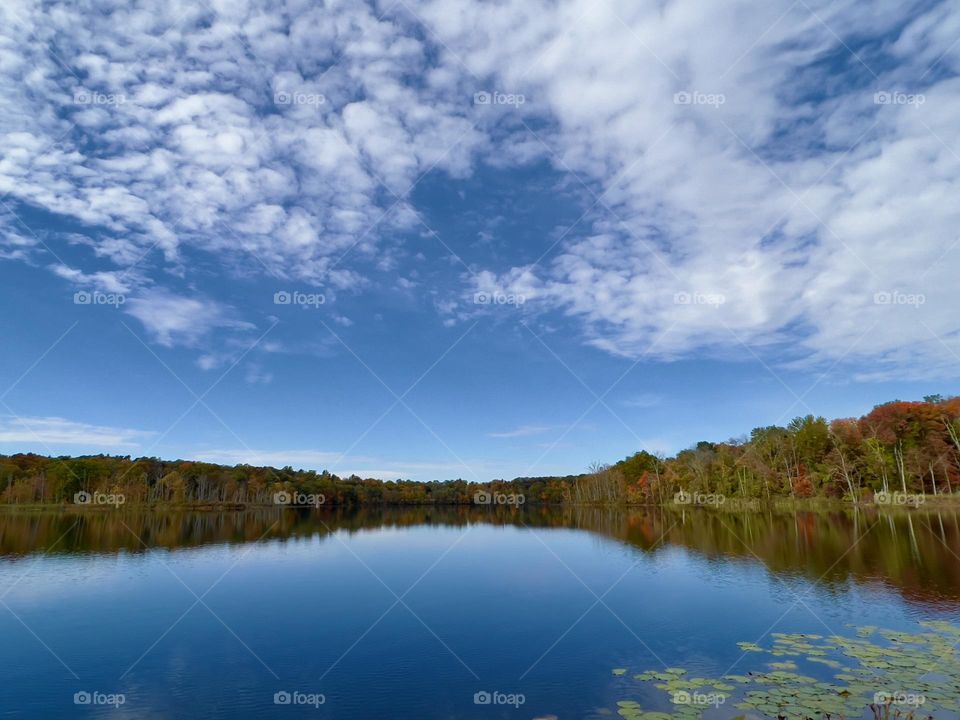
(644, 400)
(55, 431)
(364, 466)
(256, 375)
(15, 244)
(274, 137)
(282, 139)
(174, 319)
(796, 199)
(109, 282)
(522, 431)
(310, 459)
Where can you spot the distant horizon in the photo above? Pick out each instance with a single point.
(368, 475)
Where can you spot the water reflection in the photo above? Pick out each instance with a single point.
(917, 552)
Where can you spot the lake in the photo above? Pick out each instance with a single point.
(470, 613)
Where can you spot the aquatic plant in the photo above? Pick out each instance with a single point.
(879, 674)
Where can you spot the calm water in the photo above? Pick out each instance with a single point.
(410, 613)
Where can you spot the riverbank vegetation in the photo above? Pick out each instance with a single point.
(899, 453)
(903, 453)
(29, 479)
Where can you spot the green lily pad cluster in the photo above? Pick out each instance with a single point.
(877, 674)
(689, 695)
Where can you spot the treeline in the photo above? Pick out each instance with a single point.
(28, 479)
(900, 449)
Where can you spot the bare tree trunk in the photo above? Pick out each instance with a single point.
(843, 467)
(786, 464)
(656, 470)
(898, 454)
(952, 431)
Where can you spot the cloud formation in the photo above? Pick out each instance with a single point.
(472, 470)
(522, 431)
(279, 140)
(777, 180)
(54, 431)
(781, 176)
(174, 319)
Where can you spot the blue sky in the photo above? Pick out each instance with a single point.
(515, 238)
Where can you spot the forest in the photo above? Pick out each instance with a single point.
(29, 479)
(901, 452)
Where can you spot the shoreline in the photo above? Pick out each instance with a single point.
(917, 504)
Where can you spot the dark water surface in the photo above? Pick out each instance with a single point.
(409, 613)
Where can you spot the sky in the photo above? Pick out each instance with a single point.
(449, 239)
